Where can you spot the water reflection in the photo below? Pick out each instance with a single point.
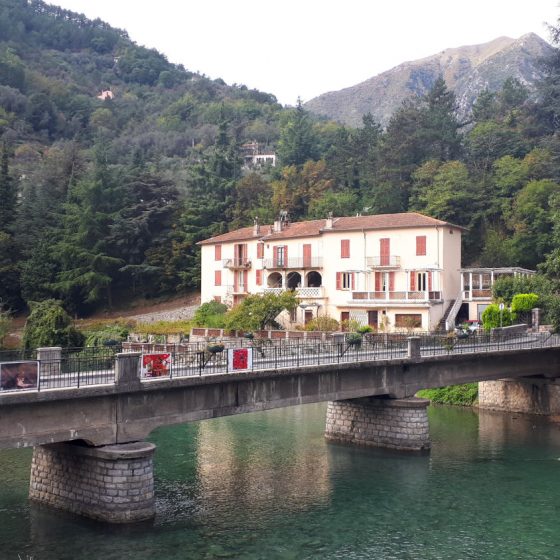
(264, 469)
(268, 486)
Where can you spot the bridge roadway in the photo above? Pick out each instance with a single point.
(119, 406)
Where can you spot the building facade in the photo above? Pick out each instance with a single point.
(390, 271)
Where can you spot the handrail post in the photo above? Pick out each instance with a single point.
(49, 359)
(127, 369)
(414, 352)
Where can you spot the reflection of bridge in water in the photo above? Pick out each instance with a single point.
(108, 406)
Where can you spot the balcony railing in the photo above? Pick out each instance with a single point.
(305, 292)
(396, 296)
(385, 261)
(476, 294)
(236, 263)
(294, 262)
(239, 289)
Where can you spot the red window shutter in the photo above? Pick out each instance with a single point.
(285, 256)
(391, 281)
(260, 250)
(235, 282)
(245, 275)
(258, 277)
(429, 281)
(217, 278)
(244, 252)
(378, 281)
(275, 255)
(353, 281)
(412, 281)
(307, 254)
(217, 252)
(339, 280)
(420, 245)
(384, 251)
(345, 248)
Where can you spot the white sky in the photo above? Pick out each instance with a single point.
(303, 48)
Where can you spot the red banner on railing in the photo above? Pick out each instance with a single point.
(156, 365)
(240, 359)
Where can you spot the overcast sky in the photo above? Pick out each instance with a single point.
(304, 48)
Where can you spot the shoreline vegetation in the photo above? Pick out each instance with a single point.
(458, 395)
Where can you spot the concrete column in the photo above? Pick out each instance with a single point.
(414, 352)
(536, 319)
(49, 359)
(127, 369)
(400, 424)
(114, 483)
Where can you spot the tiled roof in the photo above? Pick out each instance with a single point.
(314, 228)
(236, 235)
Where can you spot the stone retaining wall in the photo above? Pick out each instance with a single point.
(532, 396)
(114, 483)
(393, 423)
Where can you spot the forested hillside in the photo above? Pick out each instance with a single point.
(105, 199)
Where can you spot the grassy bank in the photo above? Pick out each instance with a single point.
(463, 395)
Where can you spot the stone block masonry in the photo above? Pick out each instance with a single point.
(532, 396)
(400, 424)
(114, 483)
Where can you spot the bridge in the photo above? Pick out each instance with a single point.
(88, 418)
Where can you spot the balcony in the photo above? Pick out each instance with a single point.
(235, 264)
(295, 262)
(395, 297)
(303, 293)
(385, 262)
(236, 290)
(470, 295)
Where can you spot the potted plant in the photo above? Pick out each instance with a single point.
(354, 339)
(215, 348)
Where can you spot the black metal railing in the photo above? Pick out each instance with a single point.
(96, 366)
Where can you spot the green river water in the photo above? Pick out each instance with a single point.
(267, 486)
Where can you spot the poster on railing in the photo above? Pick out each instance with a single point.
(156, 365)
(19, 376)
(240, 359)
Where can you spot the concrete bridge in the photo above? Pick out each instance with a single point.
(90, 457)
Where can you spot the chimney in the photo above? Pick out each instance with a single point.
(329, 221)
(281, 222)
(256, 228)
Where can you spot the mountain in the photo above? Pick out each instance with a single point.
(467, 71)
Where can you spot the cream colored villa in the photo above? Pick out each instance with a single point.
(392, 270)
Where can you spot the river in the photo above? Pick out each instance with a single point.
(267, 486)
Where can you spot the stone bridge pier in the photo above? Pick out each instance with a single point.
(400, 424)
(112, 483)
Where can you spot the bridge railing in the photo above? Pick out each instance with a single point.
(483, 342)
(77, 368)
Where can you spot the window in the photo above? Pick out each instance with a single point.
(384, 281)
(344, 280)
(421, 282)
(384, 251)
(420, 245)
(217, 252)
(345, 248)
(280, 255)
(260, 250)
(258, 277)
(408, 320)
(217, 278)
